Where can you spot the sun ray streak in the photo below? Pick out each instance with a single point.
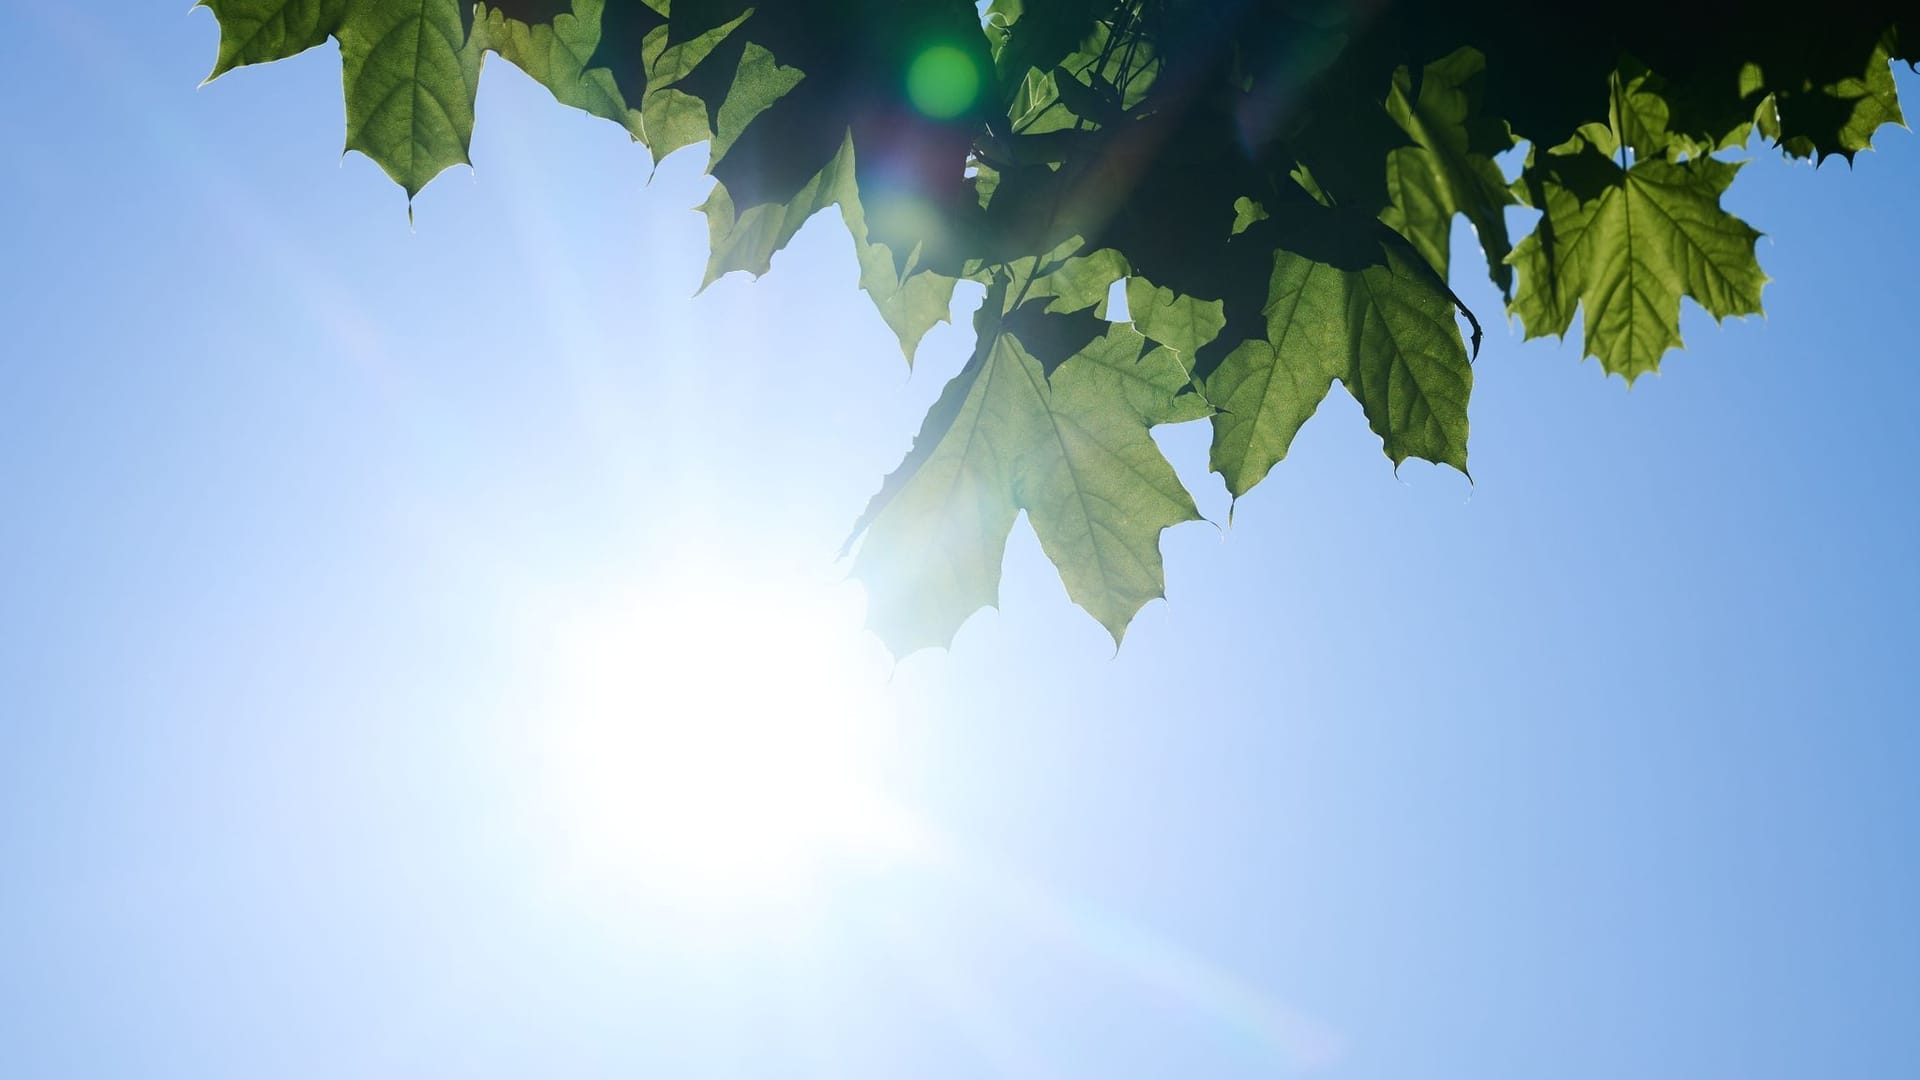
(1129, 948)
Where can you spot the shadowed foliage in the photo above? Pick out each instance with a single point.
(1275, 181)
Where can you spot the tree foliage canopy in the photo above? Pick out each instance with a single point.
(1275, 181)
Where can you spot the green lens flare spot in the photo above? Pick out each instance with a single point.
(943, 82)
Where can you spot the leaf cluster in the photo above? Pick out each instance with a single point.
(1274, 181)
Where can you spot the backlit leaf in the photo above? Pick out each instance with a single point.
(1376, 320)
(1449, 170)
(1626, 245)
(259, 31)
(1073, 451)
(1276, 184)
(552, 42)
(411, 74)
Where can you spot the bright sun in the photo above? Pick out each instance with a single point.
(714, 739)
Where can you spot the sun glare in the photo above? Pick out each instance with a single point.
(715, 739)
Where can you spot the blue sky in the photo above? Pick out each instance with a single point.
(337, 554)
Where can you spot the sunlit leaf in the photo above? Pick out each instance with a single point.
(1276, 184)
(1450, 169)
(1626, 245)
(1072, 450)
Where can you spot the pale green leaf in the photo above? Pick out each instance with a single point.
(1181, 323)
(1246, 212)
(936, 532)
(670, 120)
(760, 81)
(911, 301)
(1626, 245)
(555, 54)
(747, 240)
(1076, 283)
(1096, 487)
(1074, 451)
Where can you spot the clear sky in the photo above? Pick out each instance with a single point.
(398, 629)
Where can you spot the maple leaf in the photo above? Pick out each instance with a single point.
(261, 31)
(1368, 313)
(1817, 115)
(411, 72)
(1275, 184)
(555, 41)
(1073, 450)
(910, 300)
(1626, 244)
(1449, 170)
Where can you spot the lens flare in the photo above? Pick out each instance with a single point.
(943, 82)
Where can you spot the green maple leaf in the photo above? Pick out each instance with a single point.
(1082, 89)
(1370, 315)
(1815, 117)
(1074, 451)
(412, 67)
(1068, 281)
(260, 31)
(1450, 169)
(554, 42)
(1657, 118)
(670, 117)
(780, 154)
(1275, 184)
(759, 82)
(1246, 213)
(1181, 323)
(411, 72)
(529, 13)
(911, 301)
(1626, 245)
